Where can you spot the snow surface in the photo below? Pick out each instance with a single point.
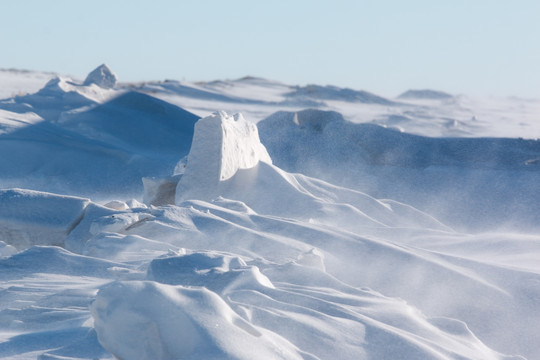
(26, 218)
(448, 177)
(15, 82)
(417, 247)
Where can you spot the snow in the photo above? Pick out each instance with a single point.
(101, 76)
(26, 218)
(11, 121)
(110, 137)
(334, 93)
(222, 145)
(17, 82)
(448, 177)
(166, 322)
(323, 223)
(425, 94)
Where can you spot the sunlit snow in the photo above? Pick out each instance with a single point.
(250, 219)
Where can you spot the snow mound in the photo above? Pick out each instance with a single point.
(26, 218)
(58, 95)
(138, 133)
(461, 181)
(221, 146)
(136, 121)
(102, 76)
(316, 133)
(174, 322)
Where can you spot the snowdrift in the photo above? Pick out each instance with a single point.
(317, 255)
(290, 287)
(99, 149)
(228, 160)
(462, 181)
(166, 322)
(237, 255)
(136, 122)
(376, 145)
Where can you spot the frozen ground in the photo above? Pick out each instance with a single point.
(323, 223)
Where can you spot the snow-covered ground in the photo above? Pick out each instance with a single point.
(321, 223)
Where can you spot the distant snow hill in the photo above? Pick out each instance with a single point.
(425, 94)
(335, 93)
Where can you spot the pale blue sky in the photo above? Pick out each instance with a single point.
(477, 47)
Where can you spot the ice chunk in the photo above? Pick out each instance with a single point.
(30, 217)
(102, 76)
(117, 205)
(221, 146)
(160, 191)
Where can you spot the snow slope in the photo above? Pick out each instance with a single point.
(246, 255)
(86, 141)
(472, 184)
(26, 218)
